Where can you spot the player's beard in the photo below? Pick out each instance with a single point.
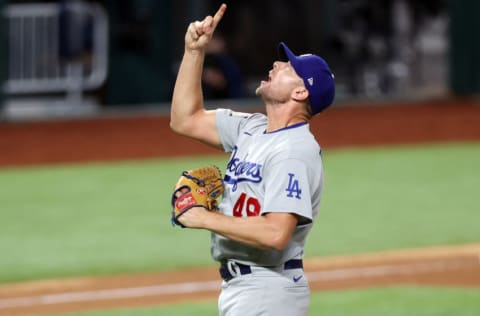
(265, 92)
(270, 95)
(262, 92)
(259, 90)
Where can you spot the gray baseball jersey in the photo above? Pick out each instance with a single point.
(277, 172)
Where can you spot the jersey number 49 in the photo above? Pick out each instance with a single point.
(250, 205)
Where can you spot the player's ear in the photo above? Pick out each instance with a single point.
(299, 94)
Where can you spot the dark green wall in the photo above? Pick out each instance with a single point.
(140, 69)
(3, 50)
(464, 46)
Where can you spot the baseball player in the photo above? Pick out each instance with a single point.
(273, 180)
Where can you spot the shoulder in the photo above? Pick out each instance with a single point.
(297, 143)
(248, 120)
(257, 119)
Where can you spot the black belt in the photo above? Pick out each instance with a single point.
(243, 269)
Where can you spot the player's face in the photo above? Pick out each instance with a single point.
(282, 79)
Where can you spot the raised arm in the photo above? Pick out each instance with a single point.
(188, 116)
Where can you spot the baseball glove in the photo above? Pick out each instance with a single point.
(197, 187)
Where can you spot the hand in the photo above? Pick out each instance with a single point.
(194, 217)
(199, 33)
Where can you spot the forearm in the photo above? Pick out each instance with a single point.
(258, 231)
(187, 95)
(188, 116)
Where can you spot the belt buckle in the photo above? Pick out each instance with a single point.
(233, 269)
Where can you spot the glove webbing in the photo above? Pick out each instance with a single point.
(195, 179)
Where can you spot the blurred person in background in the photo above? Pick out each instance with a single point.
(221, 77)
(75, 30)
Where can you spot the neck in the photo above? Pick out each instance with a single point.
(283, 116)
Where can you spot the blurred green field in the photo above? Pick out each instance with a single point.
(100, 218)
(399, 301)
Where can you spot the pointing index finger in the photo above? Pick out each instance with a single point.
(218, 16)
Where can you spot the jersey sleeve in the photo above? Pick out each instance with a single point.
(288, 190)
(229, 125)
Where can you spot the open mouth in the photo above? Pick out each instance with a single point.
(268, 79)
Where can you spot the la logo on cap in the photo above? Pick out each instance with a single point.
(310, 81)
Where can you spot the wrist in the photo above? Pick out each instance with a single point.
(194, 52)
(208, 219)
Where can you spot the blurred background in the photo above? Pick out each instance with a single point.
(87, 159)
(74, 57)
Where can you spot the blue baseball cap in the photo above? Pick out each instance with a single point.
(316, 75)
